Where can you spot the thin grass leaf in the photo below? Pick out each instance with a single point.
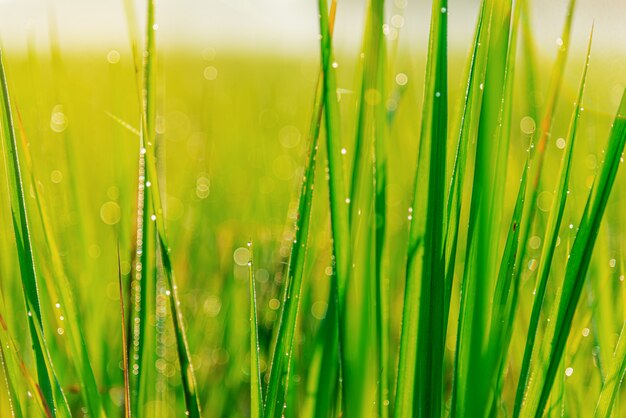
(46, 377)
(61, 293)
(125, 363)
(614, 379)
(554, 89)
(184, 356)
(256, 392)
(558, 330)
(338, 193)
(274, 403)
(551, 236)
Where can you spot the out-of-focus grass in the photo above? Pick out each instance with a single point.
(232, 138)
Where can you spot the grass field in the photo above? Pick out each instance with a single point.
(435, 232)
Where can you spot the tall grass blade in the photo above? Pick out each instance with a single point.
(125, 363)
(614, 379)
(554, 89)
(551, 236)
(48, 382)
(256, 392)
(274, 402)
(558, 330)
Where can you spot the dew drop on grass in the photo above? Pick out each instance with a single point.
(560, 143)
(58, 119)
(347, 200)
(527, 125)
(210, 73)
(335, 64)
(60, 331)
(153, 217)
(444, 10)
(534, 242)
(58, 305)
(113, 56)
(110, 213)
(612, 263)
(585, 332)
(569, 371)
(289, 136)
(274, 304)
(344, 151)
(56, 176)
(241, 256)
(402, 79)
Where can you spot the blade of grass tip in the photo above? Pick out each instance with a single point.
(576, 270)
(551, 237)
(475, 74)
(8, 370)
(48, 382)
(18, 362)
(62, 287)
(486, 207)
(256, 393)
(339, 200)
(529, 62)
(505, 297)
(125, 363)
(428, 374)
(367, 220)
(614, 378)
(554, 88)
(278, 381)
(184, 356)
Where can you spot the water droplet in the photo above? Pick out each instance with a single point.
(113, 57)
(347, 200)
(58, 119)
(344, 151)
(560, 143)
(335, 64)
(402, 79)
(444, 10)
(585, 332)
(527, 125)
(153, 217)
(210, 73)
(612, 262)
(569, 371)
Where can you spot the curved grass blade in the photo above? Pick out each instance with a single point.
(505, 297)
(339, 199)
(147, 122)
(614, 378)
(275, 404)
(125, 363)
(554, 89)
(256, 392)
(62, 287)
(551, 236)
(48, 382)
(472, 367)
(558, 331)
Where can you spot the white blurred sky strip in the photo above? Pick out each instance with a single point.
(280, 25)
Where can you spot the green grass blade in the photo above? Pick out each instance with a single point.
(431, 328)
(551, 236)
(256, 393)
(278, 381)
(554, 89)
(190, 386)
(46, 377)
(61, 292)
(125, 363)
(614, 378)
(576, 270)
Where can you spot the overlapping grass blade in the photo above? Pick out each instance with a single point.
(551, 236)
(48, 382)
(614, 379)
(125, 363)
(479, 276)
(554, 89)
(274, 402)
(256, 392)
(338, 193)
(152, 184)
(558, 330)
(61, 293)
